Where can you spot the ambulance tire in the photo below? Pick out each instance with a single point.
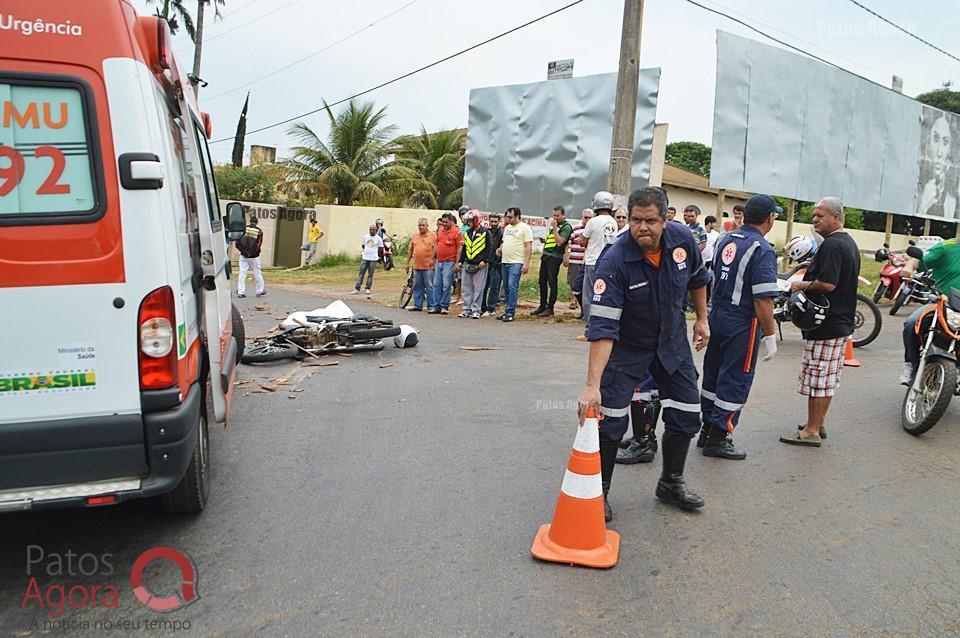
(239, 332)
(191, 493)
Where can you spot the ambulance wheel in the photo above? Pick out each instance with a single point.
(239, 332)
(191, 493)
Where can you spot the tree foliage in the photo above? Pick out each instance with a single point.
(691, 156)
(437, 159)
(171, 11)
(943, 98)
(350, 167)
(248, 184)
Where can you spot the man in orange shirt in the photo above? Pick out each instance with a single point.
(447, 259)
(421, 249)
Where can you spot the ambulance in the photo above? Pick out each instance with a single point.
(118, 339)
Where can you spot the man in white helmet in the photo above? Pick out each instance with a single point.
(599, 232)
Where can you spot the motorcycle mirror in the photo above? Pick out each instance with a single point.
(914, 252)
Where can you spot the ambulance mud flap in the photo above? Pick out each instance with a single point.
(229, 363)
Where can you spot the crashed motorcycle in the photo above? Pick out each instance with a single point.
(867, 319)
(327, 330)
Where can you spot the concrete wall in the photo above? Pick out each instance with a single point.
(343, 226)
(867, 240)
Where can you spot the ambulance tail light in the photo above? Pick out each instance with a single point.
(207, 125)
(155, 40)
(158, 354)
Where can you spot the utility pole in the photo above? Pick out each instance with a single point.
(625, 109)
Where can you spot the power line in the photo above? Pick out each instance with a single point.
(909, 33)
(315, 53)
(406, 75)
(248, 22)
(834, 54)
(233, 12)
(778, 41)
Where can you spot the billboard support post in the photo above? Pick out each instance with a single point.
(791, 213)
(625, 108)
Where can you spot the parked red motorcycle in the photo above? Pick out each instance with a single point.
(890, 274)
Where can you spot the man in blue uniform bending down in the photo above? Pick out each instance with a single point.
(745, 285)
(637, 324)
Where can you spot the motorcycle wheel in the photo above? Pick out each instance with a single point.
(921, 410)
(867, 322)
(266, 351)
(388, 262)
(903, 296)
(879, 292)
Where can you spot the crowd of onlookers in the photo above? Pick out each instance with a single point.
(466, 260)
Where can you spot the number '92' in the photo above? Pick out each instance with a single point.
(12, 175)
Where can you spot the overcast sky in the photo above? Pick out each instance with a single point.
(257, 37)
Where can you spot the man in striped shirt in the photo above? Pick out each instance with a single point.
(574, 259)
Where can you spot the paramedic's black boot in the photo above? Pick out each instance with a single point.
(643, 447)
(720, 445)
(704, 431)
(608, 458)
(672, 488)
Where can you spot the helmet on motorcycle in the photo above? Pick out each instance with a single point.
(407, 338)
(462, 211)
(800, 248)
(603, 200)
(805, 312)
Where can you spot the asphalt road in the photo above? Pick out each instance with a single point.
(403, 500)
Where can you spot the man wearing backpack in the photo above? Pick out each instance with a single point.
(249, 247)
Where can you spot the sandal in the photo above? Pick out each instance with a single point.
(823, 431)
(810, 441)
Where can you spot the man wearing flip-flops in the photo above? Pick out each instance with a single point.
(833, 273)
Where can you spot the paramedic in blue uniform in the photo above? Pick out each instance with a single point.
(637, 324)
(741, 317)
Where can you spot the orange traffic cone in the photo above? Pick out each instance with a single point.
(578, 534)
(848, 359)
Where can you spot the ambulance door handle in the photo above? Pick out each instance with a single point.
(140, 171)
(208, 283)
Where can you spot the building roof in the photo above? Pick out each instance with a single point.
(681, 178)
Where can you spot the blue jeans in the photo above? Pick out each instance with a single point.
(911, 342)
(422, 287)
(511, 280)
(491, 296)
(442, 285)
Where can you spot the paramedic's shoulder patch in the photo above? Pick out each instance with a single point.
(679, 254)
(599, 286)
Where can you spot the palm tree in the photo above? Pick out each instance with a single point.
(170, 10)
(198, 37)
(438, 159)
(350, 167)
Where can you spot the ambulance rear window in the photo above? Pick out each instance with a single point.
(47, 152)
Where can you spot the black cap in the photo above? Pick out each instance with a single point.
(758, 207)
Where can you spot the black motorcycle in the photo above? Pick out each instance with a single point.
(919, 288)
(867, 319)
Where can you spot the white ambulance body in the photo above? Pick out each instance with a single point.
(118, 341)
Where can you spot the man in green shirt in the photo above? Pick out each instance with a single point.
(943, 261)
(554, 244)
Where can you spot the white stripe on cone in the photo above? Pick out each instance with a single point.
(580, 486)
(588, 437)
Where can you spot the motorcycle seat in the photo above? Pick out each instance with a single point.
(953, 299)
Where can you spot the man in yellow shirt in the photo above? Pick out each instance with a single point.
(313, 235)
(515, 250)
